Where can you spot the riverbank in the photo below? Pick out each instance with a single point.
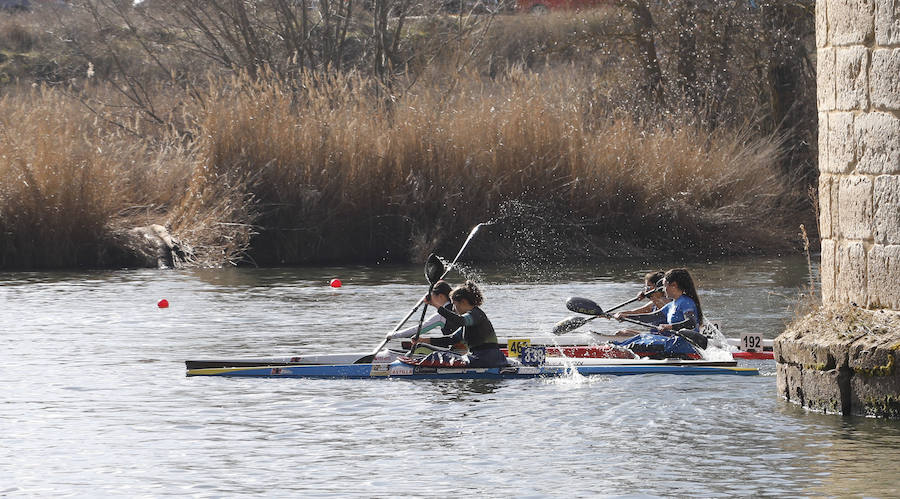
(269, 166)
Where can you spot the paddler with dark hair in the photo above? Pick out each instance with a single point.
(438, 298)
(652, 291)
(683, 314)
(472, 327)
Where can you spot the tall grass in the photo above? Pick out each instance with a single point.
(532, 123)
(70, 180)
(339, 176)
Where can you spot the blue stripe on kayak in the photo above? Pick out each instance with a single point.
(365, 371)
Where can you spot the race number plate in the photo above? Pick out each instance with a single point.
(533, 356)
(751, 343)
(515, 345)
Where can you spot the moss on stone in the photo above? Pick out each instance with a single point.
(877, 371)
(883, 407)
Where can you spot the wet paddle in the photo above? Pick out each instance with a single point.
(572, 323)
(369, 358)
(590, 307)
(434, 271)
(447, 271)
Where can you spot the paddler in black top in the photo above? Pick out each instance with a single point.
(472, 327)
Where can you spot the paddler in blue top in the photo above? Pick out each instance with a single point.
(683, 314)
(472, 327)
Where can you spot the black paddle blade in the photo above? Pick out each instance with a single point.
(434, 269)
(583, 306)
(570, 324)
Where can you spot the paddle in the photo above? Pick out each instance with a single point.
(589, 307)
(434, 270)
(447, 271)
(572, 323)
(369, 358)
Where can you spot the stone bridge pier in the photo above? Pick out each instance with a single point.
(843, 358)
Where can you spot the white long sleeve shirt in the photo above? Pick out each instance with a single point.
(433, 322)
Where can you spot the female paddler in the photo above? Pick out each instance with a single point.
(439, 298)
(472, 327)
(683, 314)
(652, 291)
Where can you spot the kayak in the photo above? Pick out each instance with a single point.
(572, 347)
(399, 369)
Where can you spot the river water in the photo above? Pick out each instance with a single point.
(94, 400)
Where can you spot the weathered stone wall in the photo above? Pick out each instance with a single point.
(844, 358)
(859, 150)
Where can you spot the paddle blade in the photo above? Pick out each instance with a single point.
(583, 306)
(434, 269)
(570, 324)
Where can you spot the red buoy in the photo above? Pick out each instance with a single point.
(336, 283)
(163, 303)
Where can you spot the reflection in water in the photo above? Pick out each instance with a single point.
(465, 390)
(851, 456)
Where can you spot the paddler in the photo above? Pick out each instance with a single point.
(439, 298)
(652, 291)
(683, 314)
(471, 326)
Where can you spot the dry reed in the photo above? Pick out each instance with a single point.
(317, 167)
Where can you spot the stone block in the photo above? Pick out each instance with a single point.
(825, 183)
(810, 350)
(851, 22)
(886, 203)
(873, 355)
(827, 270)
(877, 143)
(855, 207)
(787, 382)
(823, 139)
(851, 79)
(884, 79)
(825, 74)
(875, 397)
(842, 139)
(822, 390)
(850, 285)
(836, 232)
(883, 276)
(821, 23)
(887, 22)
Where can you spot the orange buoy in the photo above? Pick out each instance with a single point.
(336, 283)
(163, 303)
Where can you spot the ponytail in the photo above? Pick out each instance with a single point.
(685, 283)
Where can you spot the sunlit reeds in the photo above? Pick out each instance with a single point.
(539, 132)
(339, 175)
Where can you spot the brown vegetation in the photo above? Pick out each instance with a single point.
(539, 123)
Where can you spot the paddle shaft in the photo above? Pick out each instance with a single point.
(580, 322)
(651, 326)
(421, 320)
(447, 271)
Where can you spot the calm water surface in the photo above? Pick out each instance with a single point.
(94, 400)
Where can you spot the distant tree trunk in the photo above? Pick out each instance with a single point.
(722, 23)
(686, 53)
(642, 22)
(790, 77)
